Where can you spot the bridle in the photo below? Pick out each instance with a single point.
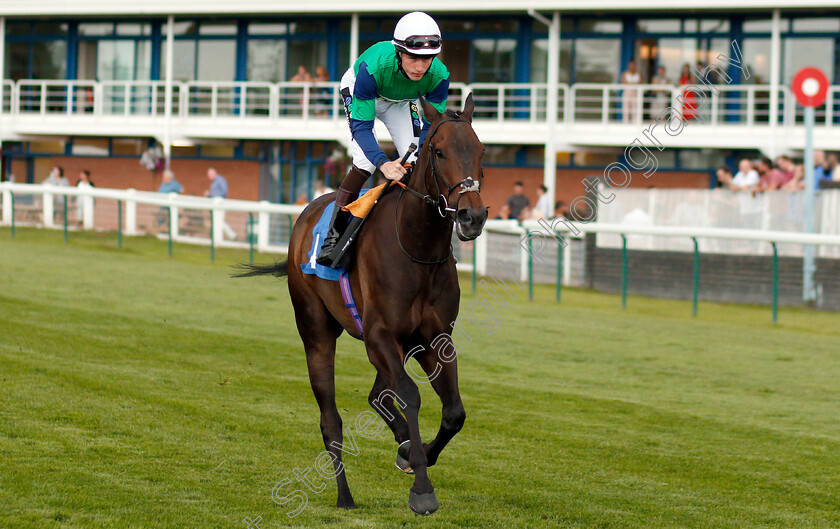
(441, 203)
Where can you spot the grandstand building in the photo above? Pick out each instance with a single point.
(93, 84)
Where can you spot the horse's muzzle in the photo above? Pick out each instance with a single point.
(469, 222)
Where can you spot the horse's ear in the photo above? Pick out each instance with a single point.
(431, 114)
(469, 106)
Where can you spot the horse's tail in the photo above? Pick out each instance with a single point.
(278, 269)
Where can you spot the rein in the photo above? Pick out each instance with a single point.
(441, 203)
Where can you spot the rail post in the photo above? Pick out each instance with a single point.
(623, 271)
(696, 276)
(212, 238)
(559, 271)
(119, 224)
(170, 231)
(775, 284)
(12, 201)
(474, 271)
(65, 219)
(251, 238)
(530, 267)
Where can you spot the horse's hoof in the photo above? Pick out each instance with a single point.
(346, 504)
(422, 504)
(402, 457)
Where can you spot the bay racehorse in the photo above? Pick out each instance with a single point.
(406, 290)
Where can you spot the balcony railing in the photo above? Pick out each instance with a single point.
(260, 104)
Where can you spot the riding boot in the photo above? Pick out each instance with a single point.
(347, 193)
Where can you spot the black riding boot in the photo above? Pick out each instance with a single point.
(337, 226)
(347, 193)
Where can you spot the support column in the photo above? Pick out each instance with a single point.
(775, 74)
(167, 134)
(2, 71)
(354, 38)
(553, 75)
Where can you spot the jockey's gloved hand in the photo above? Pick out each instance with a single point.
(392, 170)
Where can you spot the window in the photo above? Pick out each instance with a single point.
(756, 53)
(493, 60)
(597, 60)
(539, 58)
(658, 25)
(801, 52)
(596, 25)
(36, 51)
(816, 25)
(203, 50)
(109, 51)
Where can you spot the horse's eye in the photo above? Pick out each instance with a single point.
(439, 153)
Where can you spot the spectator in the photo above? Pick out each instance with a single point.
(525, 214)
(630, 96)
(170, 185)
(661, 98)
(302, 75)
(797, 183)
(219, 188)
(504, 213)
(745, 178)
(324, 96)
(543, 208)
(57, 177)
(771, 178)
(834, 165)
(83, 183)
(689, 110)
(724, 176)
(517, 201)
(321, 189)
(560, 210)
(822, 170)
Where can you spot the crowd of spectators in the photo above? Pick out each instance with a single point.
(764, 175)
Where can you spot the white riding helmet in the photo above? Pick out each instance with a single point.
(417, 34)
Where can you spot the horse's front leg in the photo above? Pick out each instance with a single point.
(444, 379)
(384, 352)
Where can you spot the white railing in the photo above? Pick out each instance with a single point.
(186, 218)
(581, 103)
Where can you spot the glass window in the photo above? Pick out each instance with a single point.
(49, 28)
(125, 28)
(597, 159)
(117, 60)
(217, 150)
(596, 25)
(216, 60)
(597, 60)
(267, 60)
(18, 28)
(655, 25)
(267, 28)
(128, 147)
(539, 58)
(567, 25)
(500, 155)
(181, 28)
(831, 24)
(183, 64)
(47, 147)
(498, 25)
(217, 28)
(799, 53)
(702, 158)
(765, 25)
(17, 60)
(450, 27)
(493, 60)
(756, 53)
(318, 27)
(308, 53)
(90, 146)
(96, 30)
(49, 60)
(693, 25)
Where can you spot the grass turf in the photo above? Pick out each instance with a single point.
(142, 391)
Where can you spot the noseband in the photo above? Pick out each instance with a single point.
(441, 203)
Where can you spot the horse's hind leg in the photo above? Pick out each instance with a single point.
(319, 330)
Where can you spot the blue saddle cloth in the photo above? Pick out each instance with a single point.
(319, 232)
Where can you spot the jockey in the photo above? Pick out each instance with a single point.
(384, 83)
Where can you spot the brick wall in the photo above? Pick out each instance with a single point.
(123, 173)
(724, 278)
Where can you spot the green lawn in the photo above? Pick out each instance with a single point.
(142, 391)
